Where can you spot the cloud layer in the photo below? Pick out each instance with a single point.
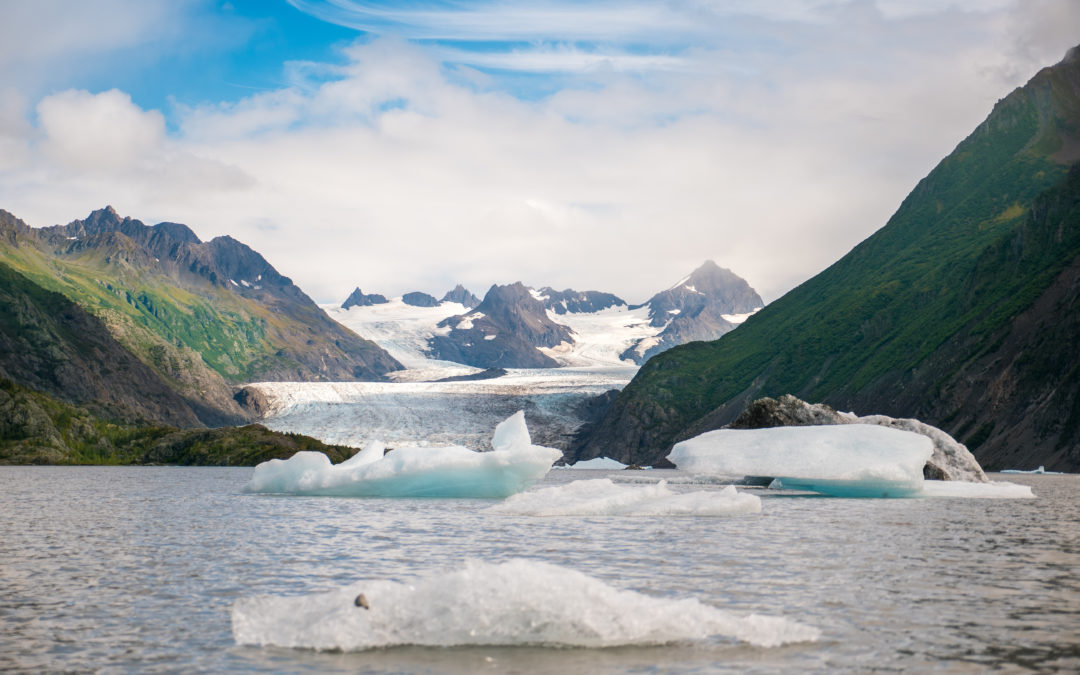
(770, 143)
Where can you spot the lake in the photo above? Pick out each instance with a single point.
(135, 568)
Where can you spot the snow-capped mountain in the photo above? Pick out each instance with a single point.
(519, 327)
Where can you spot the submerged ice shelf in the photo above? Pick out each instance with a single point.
(602, 497)
(516, 603)
(453, 471)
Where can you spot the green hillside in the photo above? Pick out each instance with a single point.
(38, 429)
(177, 304)
(946, 294)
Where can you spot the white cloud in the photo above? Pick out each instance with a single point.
(393, 172)
(103, 131)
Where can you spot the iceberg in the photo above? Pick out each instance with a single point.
(602, 497)
(453, 471)
(856, 460)
(966, 490)
(1040, 471)
(515, 603)
(597, 463)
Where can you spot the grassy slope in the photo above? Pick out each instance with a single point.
(38, 429)
(890, 303)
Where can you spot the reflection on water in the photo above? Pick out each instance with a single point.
(137, 567)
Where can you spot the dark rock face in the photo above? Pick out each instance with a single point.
(786, 411)
(461, 295)
(418, 299)
(693, 310)
(578, 302)
(504, 331)
(358, 299)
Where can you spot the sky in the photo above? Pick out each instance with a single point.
(414, 145)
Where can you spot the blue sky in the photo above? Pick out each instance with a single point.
(414, 145)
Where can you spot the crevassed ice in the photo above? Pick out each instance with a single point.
(454, 471)
(602, 497)
(842, 460)
(520, 602)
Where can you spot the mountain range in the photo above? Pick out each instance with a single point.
(515, 326)
(962, 311)
(167, 312)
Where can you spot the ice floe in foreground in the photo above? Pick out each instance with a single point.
(454, 471)
(519, 602)
(854, 460)
(991, 490)
(602, 497)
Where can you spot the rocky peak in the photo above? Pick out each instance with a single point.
(418, 299)
(358, 299)
(578, 302)
(506, 330)
(709, 286)
(461, 295)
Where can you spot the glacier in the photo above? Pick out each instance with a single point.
(452, 471)
(839, 460)
(602, 497)
(514, 603)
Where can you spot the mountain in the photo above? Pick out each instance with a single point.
(703, 306)
(358, 299)
(575, 302)
(461, 295)
(962, 311)
(554, 328)
(418, 299)
(50, 344)
(506, 330)
(202, 315)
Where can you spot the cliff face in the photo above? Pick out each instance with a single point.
(960, 312)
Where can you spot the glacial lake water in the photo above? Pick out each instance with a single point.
(116, 569)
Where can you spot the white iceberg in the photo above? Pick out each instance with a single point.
(854, 460)
(519, 602)
(597, 463)
(966, 490)
(602, 497)
(453, 471)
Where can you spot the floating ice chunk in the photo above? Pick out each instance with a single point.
(452, 471)
(519, 602)
(602, 497)
(1040, 471)
(841, 460)
(992, 490)
(598, 463)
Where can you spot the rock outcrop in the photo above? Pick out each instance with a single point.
(418, 299)
(461, 295)
(578, 302)
(359, 299)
